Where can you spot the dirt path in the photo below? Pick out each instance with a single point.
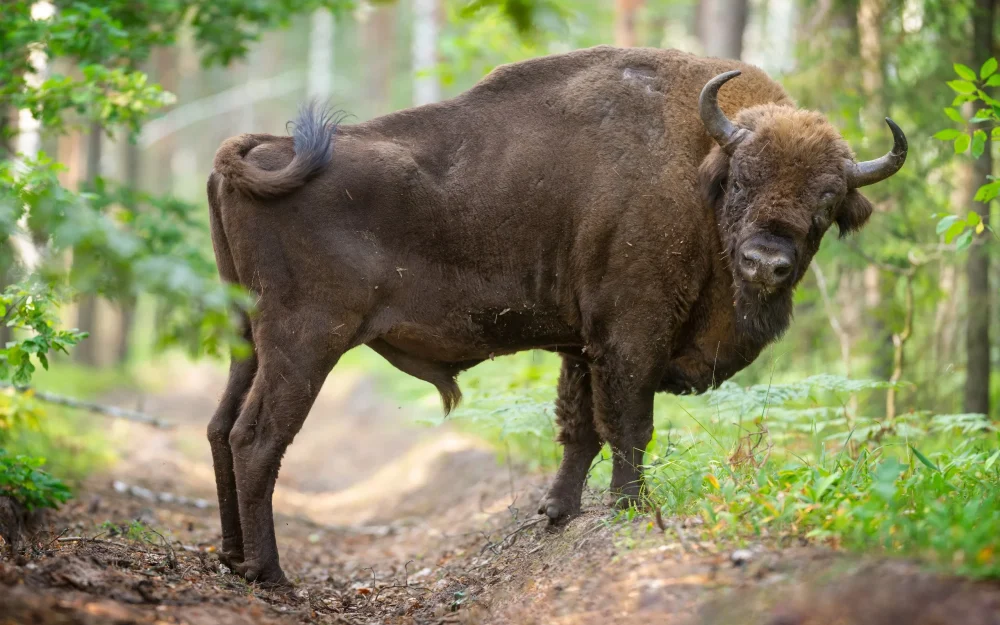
(380, 522)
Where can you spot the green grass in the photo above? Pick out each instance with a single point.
(775, 462)
(930, 490)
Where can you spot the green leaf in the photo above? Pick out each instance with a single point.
(973, 219)
(962, 86)
(948, 134)
(826, 483)
(978, 143)
(964, 71)
(993, 81)
(962, 143)
(954, 115)
(964, 240)
(988, 68)
(946, 223)
(953, 231)
(923, 459)
(988, 192)
(995, 133)
(992, 459)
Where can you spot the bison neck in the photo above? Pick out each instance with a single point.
(722, 336)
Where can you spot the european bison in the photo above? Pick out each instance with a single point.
(587, 203)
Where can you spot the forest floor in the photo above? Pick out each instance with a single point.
(383, 521)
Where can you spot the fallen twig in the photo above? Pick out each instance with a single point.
(675, 526)
(79, 404)
(406, 584)
(171, 557)
(498, 547)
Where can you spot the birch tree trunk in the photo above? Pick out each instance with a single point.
(319, 83)
(426, 85)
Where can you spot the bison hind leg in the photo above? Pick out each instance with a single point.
(440, 374)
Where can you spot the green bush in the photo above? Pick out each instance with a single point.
(22, 479)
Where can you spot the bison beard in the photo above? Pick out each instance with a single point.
(555, 205)
(762, 318)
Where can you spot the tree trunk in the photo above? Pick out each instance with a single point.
(720, 27)
(378, 39)
(870, 14)
(86, 316)
(977, 339)
(166, 65)
(6, 127)
(625, 31)
(879, 288)
(132, 155)
(426, 85)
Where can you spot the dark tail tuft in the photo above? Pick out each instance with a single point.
(451, 394)
(313, 133)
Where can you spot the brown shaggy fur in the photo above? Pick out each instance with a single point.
(556, 205)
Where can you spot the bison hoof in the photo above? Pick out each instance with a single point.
(558, 510)
(263, 576)
(231, 559)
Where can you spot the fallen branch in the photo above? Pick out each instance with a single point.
(79, 404)
(163, 497)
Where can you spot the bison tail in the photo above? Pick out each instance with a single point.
(313, 133)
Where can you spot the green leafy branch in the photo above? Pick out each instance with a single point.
(973, 138)
(30, 309)
(22, 479)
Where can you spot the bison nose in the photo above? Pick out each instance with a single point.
(768, 268)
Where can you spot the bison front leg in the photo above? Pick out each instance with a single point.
(575, 416)
(279, 400)
(623, 405)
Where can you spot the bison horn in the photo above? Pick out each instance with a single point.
(869, 172)
(716, 123)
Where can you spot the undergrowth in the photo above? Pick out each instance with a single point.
(788, 462)
(775, 462)
(44, 449)
(22, 479)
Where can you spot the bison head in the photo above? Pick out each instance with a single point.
(779, 179)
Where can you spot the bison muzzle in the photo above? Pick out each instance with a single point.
(616, 206)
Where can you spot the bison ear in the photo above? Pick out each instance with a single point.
(713, 175)
(854, 213)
